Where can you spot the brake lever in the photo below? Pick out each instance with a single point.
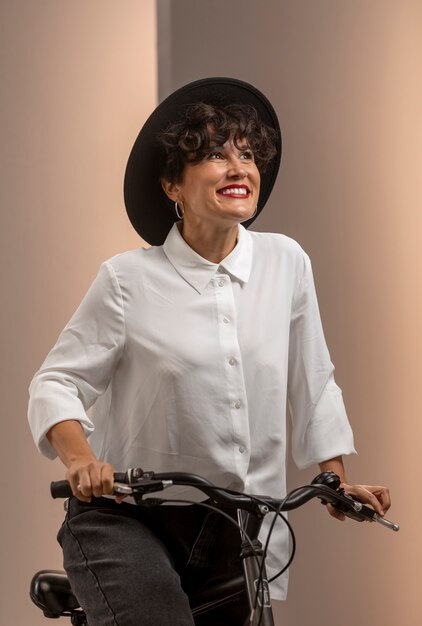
(141, 486)
(356, 510)
(360, 512)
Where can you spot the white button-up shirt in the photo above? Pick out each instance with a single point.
(189, 366)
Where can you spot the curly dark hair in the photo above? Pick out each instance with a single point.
(205, 126)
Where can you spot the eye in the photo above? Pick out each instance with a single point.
(215, 155)
(247, 155)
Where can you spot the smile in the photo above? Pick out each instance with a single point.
(235, 192)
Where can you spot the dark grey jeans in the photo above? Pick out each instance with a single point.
(134, 566)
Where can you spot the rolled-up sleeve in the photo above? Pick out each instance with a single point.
(320, 427)
(79, 367)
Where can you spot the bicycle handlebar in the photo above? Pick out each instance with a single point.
(325, 486)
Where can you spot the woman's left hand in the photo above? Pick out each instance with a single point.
(376, 496)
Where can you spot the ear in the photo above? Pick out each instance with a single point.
(172, 190)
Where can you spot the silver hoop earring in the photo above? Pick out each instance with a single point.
(252, 216)
(177, 211)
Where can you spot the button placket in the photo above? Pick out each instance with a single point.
(235, 384)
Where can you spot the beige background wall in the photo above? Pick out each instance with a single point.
(78, 80)
(345, 79)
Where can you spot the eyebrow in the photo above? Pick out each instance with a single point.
(242, 148)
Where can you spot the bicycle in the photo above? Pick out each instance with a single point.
(51, 591)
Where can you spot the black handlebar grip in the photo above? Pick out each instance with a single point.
(60, 489)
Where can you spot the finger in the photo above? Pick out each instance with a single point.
(84, 485)
(95, 479)
(107, 478)
(335, 513)
(74, 481)
(362, 493)
(383, 495)
(78, 494)
(376, 501)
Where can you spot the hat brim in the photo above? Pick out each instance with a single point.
(150, 211)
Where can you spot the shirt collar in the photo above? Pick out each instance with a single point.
(198, 271)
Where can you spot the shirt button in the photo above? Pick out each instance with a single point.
(242, 449)
(221, 282)
(232, 361)
(226, 320)
(237, 404)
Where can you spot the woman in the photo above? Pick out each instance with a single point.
(189, 352)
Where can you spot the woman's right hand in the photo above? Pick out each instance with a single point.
(89, 477)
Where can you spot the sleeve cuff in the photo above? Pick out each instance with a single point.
(328, 433)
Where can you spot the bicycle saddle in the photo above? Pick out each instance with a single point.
(50, 591)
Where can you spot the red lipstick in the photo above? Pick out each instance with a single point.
(235, 191)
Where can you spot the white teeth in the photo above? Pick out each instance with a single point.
(235, 190)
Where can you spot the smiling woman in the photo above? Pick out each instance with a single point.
(189, 352)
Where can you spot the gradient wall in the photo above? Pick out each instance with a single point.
(78, 80)
(345, 79)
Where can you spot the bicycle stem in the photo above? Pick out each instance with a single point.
(253, 563)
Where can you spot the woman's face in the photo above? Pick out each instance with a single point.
(223, 188)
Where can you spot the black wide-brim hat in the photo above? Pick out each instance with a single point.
(149, 209)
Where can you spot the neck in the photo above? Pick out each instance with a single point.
(213, 244)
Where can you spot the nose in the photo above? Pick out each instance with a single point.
(236, 168)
